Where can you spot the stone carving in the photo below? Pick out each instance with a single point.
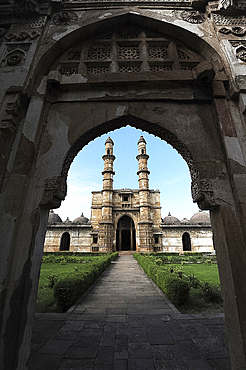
(202, 193)
(237, 31)
(238, 43)
(25, 23)
(2, 31)
(224, 20)
(64, 18)
(241, 54)
(54, 192)
(193, 16)
(10, 116)
(22, 36)
(23, 47)
(14, 59)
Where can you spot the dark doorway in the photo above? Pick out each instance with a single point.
(125, 235)
(186, 242)
(65, 242)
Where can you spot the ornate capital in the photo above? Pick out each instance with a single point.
(203, 194)
(54, 192)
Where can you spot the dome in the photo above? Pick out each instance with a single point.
(53, 218)
(200, 218)
(185, 221)
(67, 221)
(170, 220)
(81, 220)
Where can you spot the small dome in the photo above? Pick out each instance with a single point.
(53, 217)
(141, 140)
(185, 221)
(200, 218)
(109, 140)
(67, 221)
(81, 220)
(170, 220)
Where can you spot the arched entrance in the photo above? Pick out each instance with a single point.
(159, 92)
(186, 242)
(125, 234)
(65, 242)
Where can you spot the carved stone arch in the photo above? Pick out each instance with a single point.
(95, 28)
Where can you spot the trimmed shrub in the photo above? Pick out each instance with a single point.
(68, 289)
(211, 293)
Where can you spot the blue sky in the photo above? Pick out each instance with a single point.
(168, 172)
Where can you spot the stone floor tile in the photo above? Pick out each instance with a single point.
(88, 341)
(198, 364)
(140, 364)
(176, 331)
(75, 364)
(52, 329)
(120, 364)
(139, 350)
(56, 347)
(188, 350)
(105, 357)
(82, 352)
(160, 336)
(44, 361)
(220, 364)
(116, 318)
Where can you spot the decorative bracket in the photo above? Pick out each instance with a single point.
(10, 115)
(203, 194)
(54, 192)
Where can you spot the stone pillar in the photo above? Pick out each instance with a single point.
(145, 222)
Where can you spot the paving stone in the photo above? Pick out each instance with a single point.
(44, 361)
(52, 329)
(88, 341)
(188, 350)
(197, 364)
(160, 336)
(105, 357)
(82, 352)
(176, 331)
(56, 347)
(38, 343)
(120, 364)
(139, 350)
(212, 347)
(116, 318)
(220, 364)
(140, 364)
(137, 335)
(74, 364)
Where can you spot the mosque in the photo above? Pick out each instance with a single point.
(128, 219)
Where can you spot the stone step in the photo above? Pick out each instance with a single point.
(122, 253)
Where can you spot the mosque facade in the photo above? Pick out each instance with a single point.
(128, 219)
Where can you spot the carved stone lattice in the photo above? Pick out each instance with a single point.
(129, 68)
(97, 69)
(69, 70)
(112, 55)
(238, 43)
(25, 23)
(237, 31)
(182, 55)
(158, 67)
(99, 52)
(223, 20)
(64, 18)
(128, 35)
(158, 52)
(128, 52)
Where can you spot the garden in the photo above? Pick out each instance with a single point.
(64, 277)
(191, 281)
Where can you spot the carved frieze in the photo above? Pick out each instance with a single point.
(237, 31)
(22, 36)
(10, 114)
(225, 20)
(54, 192)
(64, 18)
(241, 49)
(192, 16)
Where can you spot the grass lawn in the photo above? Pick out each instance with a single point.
(195, 303)
(45, 299)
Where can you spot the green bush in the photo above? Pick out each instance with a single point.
(68, 289)
(52, 279)
(175, 288)
(211, 293)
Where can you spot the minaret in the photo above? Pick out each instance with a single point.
(145, 223)
(106, 224)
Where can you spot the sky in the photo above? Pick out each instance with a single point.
(169, 173)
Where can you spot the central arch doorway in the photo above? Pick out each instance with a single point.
(125, 234)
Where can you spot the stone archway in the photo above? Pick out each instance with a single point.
(125, 234)
(186, 242)
(187, 108)
(65, 242)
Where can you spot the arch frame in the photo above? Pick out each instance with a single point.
(42, 188)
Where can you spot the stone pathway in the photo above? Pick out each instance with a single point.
(125, 322)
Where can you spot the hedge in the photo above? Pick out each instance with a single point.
(68, 289)
(173, 286)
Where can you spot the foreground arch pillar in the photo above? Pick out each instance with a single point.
(30, 185)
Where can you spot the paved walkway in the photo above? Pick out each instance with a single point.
(125, 323)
